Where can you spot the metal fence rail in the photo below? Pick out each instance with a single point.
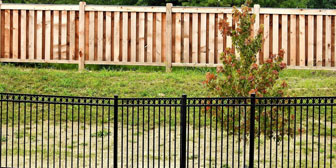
(63, 131)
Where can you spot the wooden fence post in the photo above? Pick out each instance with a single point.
(256, 11)
(169, 33)
(81, 48)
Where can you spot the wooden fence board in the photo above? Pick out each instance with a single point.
(220, 41)
(91, 36)
(64, 20)
(72, 45)
(212, 38)
(149, 37)
(7, 39)
(39, 35)
(328, 42)
(178, 31)
(302, 43)
(108, 44)
(275, 34)
(319, 31)
(55, 35)
(266, 37)
(292, 40)
(116, 37)
(133, 37)
(310, 40)
(203, 47)
(47, 35)
(186, 37)
(23, 33)
(15, 42)
(284, 35)
(158, 30)
(194, 38)
(31, 44)
(100, 41)
(142, 37)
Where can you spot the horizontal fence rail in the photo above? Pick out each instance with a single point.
(43, 131)
(159, 36)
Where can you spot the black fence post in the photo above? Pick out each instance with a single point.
(115, 149)
(183, 131)
(252, 126)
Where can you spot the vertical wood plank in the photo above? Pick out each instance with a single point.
(228, 38)
(310, 40)
(302, 36)
(194, 38)
(72, 47)
(275, 34)
(108, 36)
(284, 34)
(149, 37)
(23, 44)
(15, 41)
(81, 40)
(116, 37)
(7, 40)
(142, 37)
(212, 38)
(328, 42)
(91, 35)
(100, 39)
(31, 44)
(293, 40)
(266, 37)
(186, 37)
(178, 31)
(64, 21)
(158, 37)
(319, 33)
(47, 35)
(133, 36)
(39, 35)
(55, 35)
(203, 52)
(256, 11)
(169, 36)
(124, 36)
(220, 37)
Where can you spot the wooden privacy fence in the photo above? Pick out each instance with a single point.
(159, 36)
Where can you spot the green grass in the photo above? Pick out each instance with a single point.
(132, 81)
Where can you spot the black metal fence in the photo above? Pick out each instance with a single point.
(61, 131)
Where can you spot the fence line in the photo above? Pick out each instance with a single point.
(66, 131)
(159, 36)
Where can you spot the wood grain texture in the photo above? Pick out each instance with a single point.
(15, 29)
(178, 34)
(124, 36)
(220, 41)
(158, 36)
(81, 39)
(212, 38)
(7, 39)
(328, 41)
(293, 40)
(266, 37)
(142, 37)
(31, 43)
(108, 44)
(23, 34)
(284, 37)
(149, 45)
(63, 47)
(186, 37)
(100, 27)
(203, 49)
(91, 36)
(310, 41)
(47, 26)
(319, 36)
(55, 35)
(116, 37)
(133, 36)
(302, 43)
(72, 33)
(275, 34)
(39, 35)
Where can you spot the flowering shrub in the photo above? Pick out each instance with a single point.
(242, 76)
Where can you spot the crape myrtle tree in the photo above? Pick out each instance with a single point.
(240, 76)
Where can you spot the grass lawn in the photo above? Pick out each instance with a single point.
(132, 81)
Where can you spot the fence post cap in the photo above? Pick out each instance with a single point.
(184, 95)
(82, 3)
(169, 4)
(115, 95)
(256, 5)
